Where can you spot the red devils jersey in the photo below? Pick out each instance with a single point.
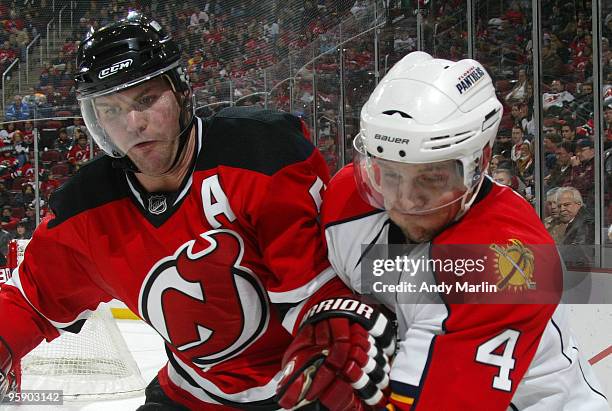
(213, 267)
(456, 354)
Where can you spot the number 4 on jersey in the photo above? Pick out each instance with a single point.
(486, 355)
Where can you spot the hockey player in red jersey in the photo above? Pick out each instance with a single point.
(418, 178)
(208, 229)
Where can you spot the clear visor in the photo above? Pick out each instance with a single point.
(409, 188)
(124, 118)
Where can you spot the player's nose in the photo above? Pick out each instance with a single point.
(410, 198)
(136, 121)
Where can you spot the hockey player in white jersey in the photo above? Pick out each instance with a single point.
(418, 177)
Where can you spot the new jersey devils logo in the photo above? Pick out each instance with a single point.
(203, 302)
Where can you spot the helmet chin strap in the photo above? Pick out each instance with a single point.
(466, 204)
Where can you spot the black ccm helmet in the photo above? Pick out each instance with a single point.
(121, 55)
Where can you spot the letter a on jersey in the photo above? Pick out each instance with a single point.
(215, 201)
(203, 302)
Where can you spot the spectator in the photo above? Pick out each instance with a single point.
(561, 173)
(6, 135)
(79, 152)
(20, 148)
(517, 142)
(8, 164)
(21, 232)
(503, 177)
(525, 165)
(519, 91)
(551, 141)
(580, 223)
(29, 220)
(568, 131)
(26, 196)
(583, 171)
(63, 143)
(198, 18)
(5, 237)
(526, 115)
(7, 221)
(7, 54)
(557, 99)
(77, 123)
(5, 195)
(552, 221)
(607, 29)
(493, 164)
(607, 141)
(583, 105)
(18, 110)
(551, 63)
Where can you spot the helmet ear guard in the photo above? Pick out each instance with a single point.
(428, 111)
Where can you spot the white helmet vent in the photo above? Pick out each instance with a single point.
(393, 112)
(440, 142)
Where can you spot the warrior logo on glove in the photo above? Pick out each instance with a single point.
(339, 357)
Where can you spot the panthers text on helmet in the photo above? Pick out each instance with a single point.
(469, 79)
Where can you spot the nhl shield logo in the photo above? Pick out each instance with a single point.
(157, 204)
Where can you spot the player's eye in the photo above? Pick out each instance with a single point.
(147, 101)
(110, 112)
(432, 180)
(391, 176)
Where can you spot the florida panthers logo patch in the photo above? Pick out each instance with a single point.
(203, 302)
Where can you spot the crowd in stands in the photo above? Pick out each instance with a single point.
(20, 22)
(503, 44)
(62, 151)
(226, 45)
(568, 169)
(222, 41)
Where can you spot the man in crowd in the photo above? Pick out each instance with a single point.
(568, 131)
(17, 110)
(583, 171)
(579, 220)
(430, 195)
(552, 221)
(557, 99)
(607, 141)
(561, 173)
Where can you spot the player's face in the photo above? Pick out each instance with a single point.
(143, 122)
(422, 199)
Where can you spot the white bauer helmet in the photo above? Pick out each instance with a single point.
(423, 132)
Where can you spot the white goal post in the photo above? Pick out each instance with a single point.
(94, 364)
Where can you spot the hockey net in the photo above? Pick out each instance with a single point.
(94, 364)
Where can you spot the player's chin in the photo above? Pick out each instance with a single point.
(422, 228)
(153, 166)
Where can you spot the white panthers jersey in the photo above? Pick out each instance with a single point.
(466, 356)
